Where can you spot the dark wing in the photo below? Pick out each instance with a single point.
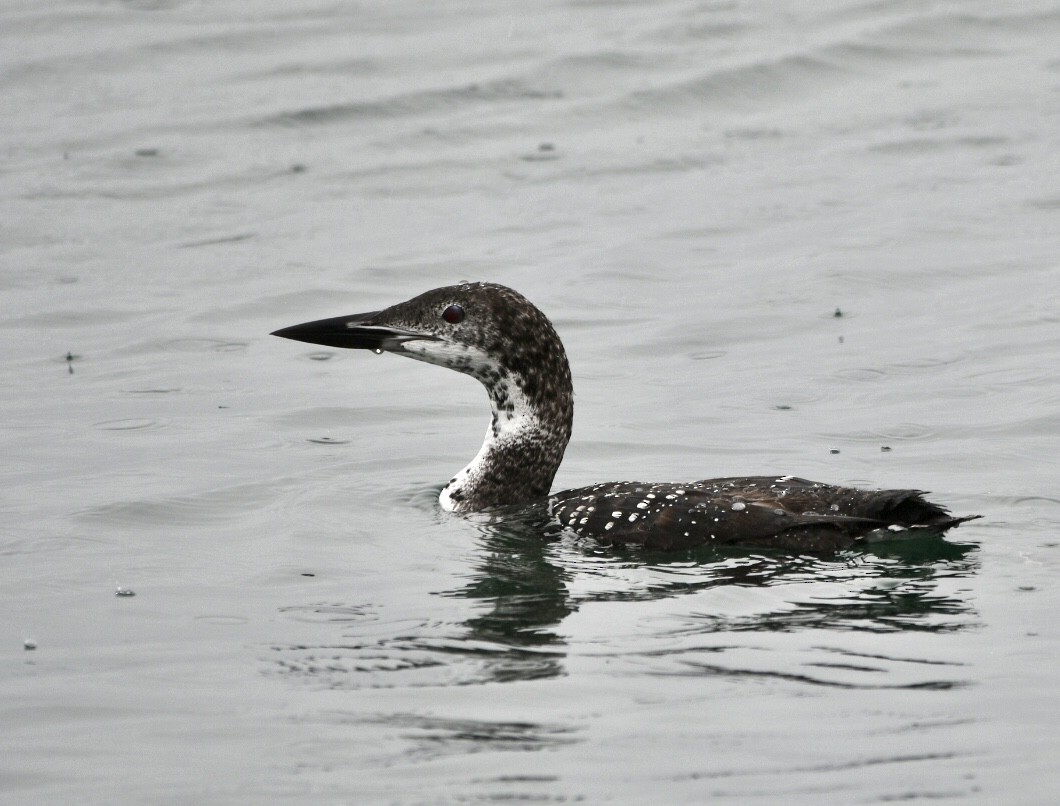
(761, 511)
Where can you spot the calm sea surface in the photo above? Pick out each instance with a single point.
(690, 190)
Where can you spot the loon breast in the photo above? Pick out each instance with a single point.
(500, 338)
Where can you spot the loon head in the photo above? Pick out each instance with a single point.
(497, 336)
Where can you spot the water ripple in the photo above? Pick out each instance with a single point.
(414, 103)
(745, 85)
(130, 424)
(404, 661)
(437, 737)
(212, 506)
(805, 678)
(196, 345)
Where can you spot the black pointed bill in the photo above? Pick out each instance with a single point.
(354, 332)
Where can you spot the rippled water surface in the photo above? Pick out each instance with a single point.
(775, 237)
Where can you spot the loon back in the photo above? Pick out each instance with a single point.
(501, 339)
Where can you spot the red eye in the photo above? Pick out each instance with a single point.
(454, 314)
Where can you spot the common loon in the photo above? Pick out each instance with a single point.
(497, 336)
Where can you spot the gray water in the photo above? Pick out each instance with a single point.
(690, 190)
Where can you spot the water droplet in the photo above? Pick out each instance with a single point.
(378, 351)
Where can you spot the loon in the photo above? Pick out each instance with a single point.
(497, 336)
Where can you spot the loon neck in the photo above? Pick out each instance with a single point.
(525, 440)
